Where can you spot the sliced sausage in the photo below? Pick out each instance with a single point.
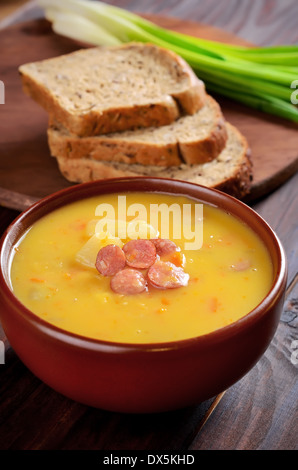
(166, 275)
(128, 281)
(110, 259)
(164, 246)
(140, 254)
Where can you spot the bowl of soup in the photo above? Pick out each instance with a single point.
(140, 295)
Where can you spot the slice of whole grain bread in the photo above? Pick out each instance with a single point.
(230, 172)
(196, 138)
(100, 90)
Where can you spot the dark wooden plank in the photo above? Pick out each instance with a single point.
(260, 411)
(279, 210)
(7, 215)
(167, 431)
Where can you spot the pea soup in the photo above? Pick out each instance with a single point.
(143, 288)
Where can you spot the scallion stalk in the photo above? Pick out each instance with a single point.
(259, 77)
(79, 28)
(265, 103)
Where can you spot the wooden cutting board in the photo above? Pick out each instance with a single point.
(28, 172)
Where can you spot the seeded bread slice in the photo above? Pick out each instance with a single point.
(231, 171)
(100, 90)
(191, 139)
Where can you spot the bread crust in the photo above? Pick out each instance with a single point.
(231, 171)
(185, 94)
(192, 139)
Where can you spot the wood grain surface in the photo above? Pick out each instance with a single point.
(260, 411)
(10, 6)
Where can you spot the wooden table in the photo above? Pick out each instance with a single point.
(260, 411)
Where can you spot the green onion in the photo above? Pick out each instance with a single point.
(79, 28)
(259, 77)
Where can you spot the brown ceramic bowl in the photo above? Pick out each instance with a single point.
(141, 378)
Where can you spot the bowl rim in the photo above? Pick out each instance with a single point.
(75, 339)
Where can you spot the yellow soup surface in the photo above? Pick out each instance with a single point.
(229, 274)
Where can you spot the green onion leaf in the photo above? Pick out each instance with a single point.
(259, 77)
